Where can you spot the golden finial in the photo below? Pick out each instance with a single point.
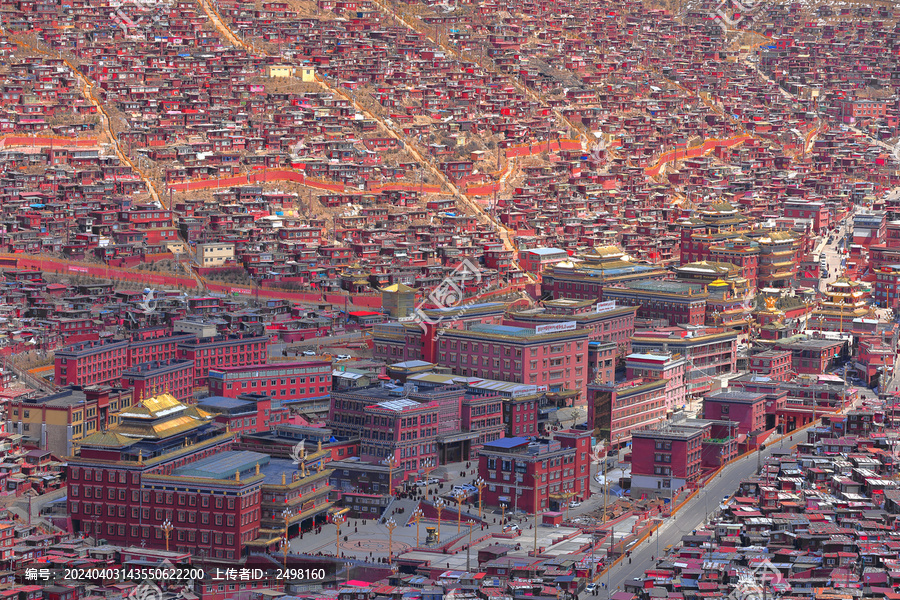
(140, 456)
(283, 479)
(237, 476)
(257, 468)
(319, 446)
(141, 396)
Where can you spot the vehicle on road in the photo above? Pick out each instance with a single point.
(309, 353)
(590, 588)
(343, 357)
(574, 504)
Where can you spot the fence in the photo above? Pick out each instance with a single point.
(706, 147)
(48, 140)
(300, 178)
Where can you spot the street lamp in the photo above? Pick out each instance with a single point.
(285, 544)
(338, 521)
(417, 516)
(391, 524)
(439, 507)
(480, 484)
(391, 463)
(286, 514)
(167, 528)
(458, 495)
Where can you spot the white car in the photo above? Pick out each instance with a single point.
(589, 588)
(309, 353)
(343, 357)
(574, 504)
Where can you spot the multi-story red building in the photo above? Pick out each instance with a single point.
(552, 355)
(676, 302)
(90, 363)
(397, 342)
(246, 413)
(869, 228)
(165, 461)
(660, 365)
(605, 322)
(235, 350)
(616, 410)
(284, 381)
(121, 487)
(540, 474)
(742, 253)
(174, 376)
(814, 213)
(887, 286)
(421, 426)
(709, 351)
(747, 410)
(155, 348)
(774, 364)
(666, 459)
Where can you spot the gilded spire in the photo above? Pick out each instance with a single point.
(237, 476)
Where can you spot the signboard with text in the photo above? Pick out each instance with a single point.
(554, 327)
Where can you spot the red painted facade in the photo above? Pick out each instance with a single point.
(559, 467)
(285, 381)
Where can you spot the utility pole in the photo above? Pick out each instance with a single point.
(536, 510)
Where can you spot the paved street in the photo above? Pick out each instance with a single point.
(688, 518)
(832, 251)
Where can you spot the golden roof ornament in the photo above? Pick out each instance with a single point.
(770, 304)
(237, 476)
(257, 468)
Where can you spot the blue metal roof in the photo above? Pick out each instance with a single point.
(506, 443)
(222, 402)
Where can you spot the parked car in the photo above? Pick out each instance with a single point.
(309, 353)
(343, 357)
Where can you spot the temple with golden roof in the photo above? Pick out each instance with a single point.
(845, 301)
(167, 476)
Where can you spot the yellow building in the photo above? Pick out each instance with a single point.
(399, 300)
(56, 422)
(307, 74)
(279, 71)
(214, 254)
